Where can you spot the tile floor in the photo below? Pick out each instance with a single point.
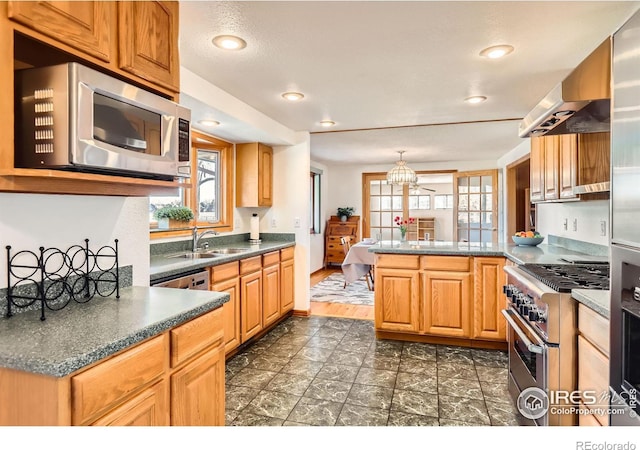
(326, 371)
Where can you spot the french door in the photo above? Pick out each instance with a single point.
(475, 197)
(381, 203)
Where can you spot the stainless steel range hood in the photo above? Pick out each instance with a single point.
(580, 104)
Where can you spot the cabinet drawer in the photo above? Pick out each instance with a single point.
(448, 263)
(397, 261)
(250, 264)
(148, 408)
(593, 374)
(334, 246)
(594, 327)
(287, 253)
(270, 259)
(195, 335)
(335, 255)
(224, 272)
(342, 230)
(96, 389)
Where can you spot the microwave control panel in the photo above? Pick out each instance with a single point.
(184, 144)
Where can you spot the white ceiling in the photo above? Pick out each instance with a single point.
(394, 72)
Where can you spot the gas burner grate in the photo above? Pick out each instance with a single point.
(564, 277)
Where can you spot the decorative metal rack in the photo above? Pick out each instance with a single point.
(54, 277)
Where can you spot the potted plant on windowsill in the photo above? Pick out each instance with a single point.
(173, 217)
(345, 213)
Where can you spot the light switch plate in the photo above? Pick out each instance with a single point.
(273, 222)
(296, 222)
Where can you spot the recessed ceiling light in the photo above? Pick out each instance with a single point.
(327, 123)
(497, 51)
(475, 99)
(293, 96)
(229, 42)
(209, 123)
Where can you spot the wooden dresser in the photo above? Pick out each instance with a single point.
(335, 230)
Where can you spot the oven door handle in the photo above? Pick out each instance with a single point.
(530, 345)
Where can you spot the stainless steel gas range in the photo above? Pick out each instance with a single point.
(542, 327)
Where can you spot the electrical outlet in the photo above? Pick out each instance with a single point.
(296, 222)
(566, 224)
(273, 223)
(603, 228)
(575, 224)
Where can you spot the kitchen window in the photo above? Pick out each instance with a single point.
(443, 201)
(209, 193)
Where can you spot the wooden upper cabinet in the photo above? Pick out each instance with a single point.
(568, 165)
(148, 41)
(536, 164)
(551, 164)
(85, 26)
(560, 163)
(254, 175)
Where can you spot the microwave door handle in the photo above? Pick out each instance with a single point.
(121, 141)
(530, 345)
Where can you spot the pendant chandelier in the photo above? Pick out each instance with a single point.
(401, 174)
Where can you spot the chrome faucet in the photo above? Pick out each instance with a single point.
(197, 237)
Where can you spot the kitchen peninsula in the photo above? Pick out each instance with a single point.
(147, 358)
(448, 292)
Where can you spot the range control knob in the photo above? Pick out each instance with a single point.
(515, 293)
(534, 316)
(524, 309)
(522, 299)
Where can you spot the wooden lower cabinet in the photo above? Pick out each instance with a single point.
(431, 297)
(447, 303)
(593, 364)
(287, 283)
(397, 299)
(270, 294)
(149, 408)
(197, 391)
(251, 305)
(230, 312)
(137, 386)
(488, 299)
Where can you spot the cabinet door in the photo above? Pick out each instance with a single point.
(397, 300)
(488, 279)
(265, 174)
(287, 286)
(251, 304)
(551, 169)
(230, 312)
(568, 165)
(149, 408)
(85, 26)
(197, 391)
(593, 375)
(536, 167)
(270, 294)
(446, 303)
(148, 41)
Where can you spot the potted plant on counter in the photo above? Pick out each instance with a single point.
(173, 217)
(345, 213)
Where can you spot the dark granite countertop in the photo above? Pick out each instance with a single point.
(541, 254)
(597, 300)
(165, 266)
(82, 334)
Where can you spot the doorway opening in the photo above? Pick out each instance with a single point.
(521, 213)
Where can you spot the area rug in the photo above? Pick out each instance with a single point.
(331, 290)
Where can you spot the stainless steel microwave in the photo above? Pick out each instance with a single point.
(71, 117)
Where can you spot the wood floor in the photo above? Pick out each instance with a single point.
(337, 309)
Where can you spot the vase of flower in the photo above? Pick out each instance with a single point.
(403, 226)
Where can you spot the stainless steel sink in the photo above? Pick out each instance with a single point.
(228, 251)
